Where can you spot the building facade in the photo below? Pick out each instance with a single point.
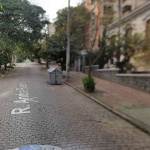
(51, 29)
(92, 32)
(135, 15)
(134, 18)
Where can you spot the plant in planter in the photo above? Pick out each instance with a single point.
(128, 66)
(88, 83)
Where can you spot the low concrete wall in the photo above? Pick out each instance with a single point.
(137, 81)
(93, 70)
(108, 74)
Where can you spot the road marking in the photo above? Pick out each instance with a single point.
(23, 97)
(20, 111)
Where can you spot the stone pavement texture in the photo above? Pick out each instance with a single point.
(60, 116)
(133, 104)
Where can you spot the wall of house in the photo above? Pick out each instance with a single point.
(139, 2)
(51, 29)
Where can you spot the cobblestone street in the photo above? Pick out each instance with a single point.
(60, 116)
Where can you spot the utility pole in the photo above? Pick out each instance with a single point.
(119, 18)
(68, 43)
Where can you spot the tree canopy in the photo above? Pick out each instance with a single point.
(20, 22)
(57, 43)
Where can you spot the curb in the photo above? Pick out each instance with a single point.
(143, 127)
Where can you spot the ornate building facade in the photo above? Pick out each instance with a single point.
(134, 18)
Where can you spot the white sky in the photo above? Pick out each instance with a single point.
(52, 6)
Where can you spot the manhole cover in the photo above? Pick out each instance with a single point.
(38, 147)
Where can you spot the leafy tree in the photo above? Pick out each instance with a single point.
(6, 50)
(20, 22)
(56, 48)
(78, 19)
(129, 45)
(94, 29)
(57, 43)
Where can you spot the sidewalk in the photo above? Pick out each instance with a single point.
(130, 104)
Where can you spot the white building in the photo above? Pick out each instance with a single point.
(51, 29)
(134, 18)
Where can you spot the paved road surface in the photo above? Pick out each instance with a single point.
(34, 112)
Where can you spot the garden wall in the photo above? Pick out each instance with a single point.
(137, 81)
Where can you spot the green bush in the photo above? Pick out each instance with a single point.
(88, 83)
(2, 71)
(128, 66)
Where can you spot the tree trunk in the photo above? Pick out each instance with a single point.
(39, 60)
(10, 63)
(47, 64)
(5, 66)
(90, 65)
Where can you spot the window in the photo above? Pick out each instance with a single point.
(126, 9)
